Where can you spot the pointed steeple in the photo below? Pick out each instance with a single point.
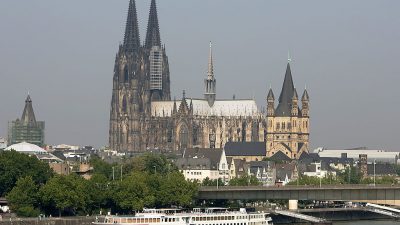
(210, 72)
(285, 98)
(28, 116)
(305, 96)
(270, 95)
(210, 82)
(174, 110)
(132, 38)
(270, 103)
(153, 30)
(295, 95)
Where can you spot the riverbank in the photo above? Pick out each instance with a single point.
(49, 221)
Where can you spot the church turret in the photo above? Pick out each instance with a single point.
(210, 82)
(295, 106)
(305, 101)
(174, 110)
(270, 103)
(132, 38)
(28, 116)
(191, 106)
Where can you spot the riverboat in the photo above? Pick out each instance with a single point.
(208, 216)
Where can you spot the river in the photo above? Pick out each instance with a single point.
(368, 222)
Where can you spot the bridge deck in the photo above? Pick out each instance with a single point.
(380, 194)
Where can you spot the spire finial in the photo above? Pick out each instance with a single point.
(183, 94)
(210, 72)
(289, 59)
(305, 86)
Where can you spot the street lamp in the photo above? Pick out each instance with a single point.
(218, 174)
(374, 172)
(113, 173)
(155, 169)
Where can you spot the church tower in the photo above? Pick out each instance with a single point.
(210, 82)
(130, 85)
(27, 128)
(288, 126)
(158, 60)
(141, 75)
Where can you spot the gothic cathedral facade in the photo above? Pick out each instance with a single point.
(144, 117)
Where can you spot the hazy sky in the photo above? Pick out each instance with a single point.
(346, 52)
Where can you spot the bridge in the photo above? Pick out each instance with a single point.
(301, 216)
(379, 194)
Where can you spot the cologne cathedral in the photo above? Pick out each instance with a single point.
(143, 116)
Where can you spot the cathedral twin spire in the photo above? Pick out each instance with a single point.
(153, 29)
(132, 37)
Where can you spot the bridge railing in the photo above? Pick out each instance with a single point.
(300, 187)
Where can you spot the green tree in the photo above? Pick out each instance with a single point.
(101, 167)
(380, 180)
(23, 198)
(67, 194)
(208, 182)
(308, 180)
(132, 193)
(149, 162)
(351, 175)
(176, 191)
(99, 196)
(244, 181)
(14, 165)
(397, 168)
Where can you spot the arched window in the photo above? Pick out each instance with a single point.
(126, 74)
(244, 131)
(124, 105)
(254, 132)
(184, 136)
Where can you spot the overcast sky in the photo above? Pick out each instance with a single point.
(346, 52)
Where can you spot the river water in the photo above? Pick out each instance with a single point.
(368, 222)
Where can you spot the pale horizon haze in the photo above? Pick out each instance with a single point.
(345, 52)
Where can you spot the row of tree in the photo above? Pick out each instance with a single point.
(146, 181)
(349, 176)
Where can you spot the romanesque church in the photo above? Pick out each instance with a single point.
(143, 116)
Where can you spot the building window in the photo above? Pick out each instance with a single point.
(124, 105)
(283, 125)
(184, 136)
(278, 126)
(126, 74)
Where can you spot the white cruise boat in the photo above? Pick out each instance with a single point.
(208, 216)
